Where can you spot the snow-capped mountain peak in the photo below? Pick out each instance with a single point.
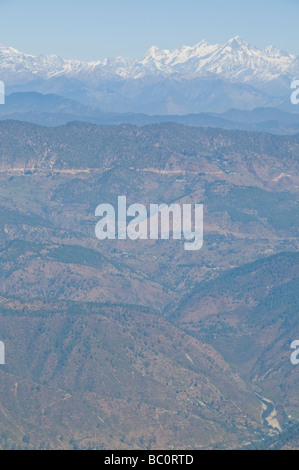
(235, 60)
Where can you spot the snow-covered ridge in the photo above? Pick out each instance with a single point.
(235, 60)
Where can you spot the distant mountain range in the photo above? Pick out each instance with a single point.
(53, 110)
(203, 78)
(236, 60)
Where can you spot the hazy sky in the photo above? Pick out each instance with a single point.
(94, 29)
